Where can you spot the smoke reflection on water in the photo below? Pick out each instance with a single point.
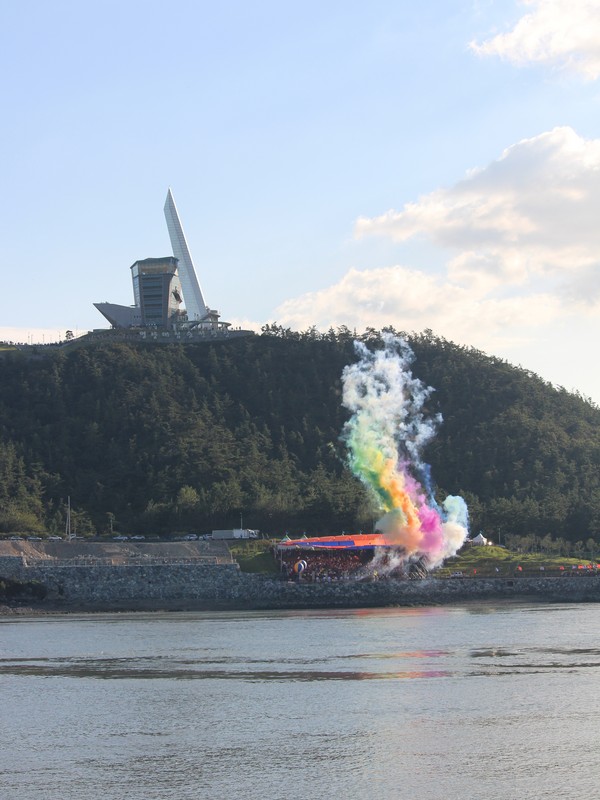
(108, 671)
(489, 661)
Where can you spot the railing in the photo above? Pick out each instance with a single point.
(83, 561)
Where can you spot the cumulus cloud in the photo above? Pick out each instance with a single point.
(532, 212)
(522, 248)
(562, 33)
(412, 301)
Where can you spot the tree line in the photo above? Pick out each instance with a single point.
(151, 438)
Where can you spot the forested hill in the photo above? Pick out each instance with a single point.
(162, 438)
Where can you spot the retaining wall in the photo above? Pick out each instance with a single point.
(189, 586)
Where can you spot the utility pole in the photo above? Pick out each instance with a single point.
(68, 523)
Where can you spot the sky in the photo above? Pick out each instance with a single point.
(423, 165)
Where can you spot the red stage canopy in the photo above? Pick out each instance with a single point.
(355, 542)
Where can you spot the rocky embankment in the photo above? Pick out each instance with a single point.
(195, 576)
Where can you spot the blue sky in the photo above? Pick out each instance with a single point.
(432, 165)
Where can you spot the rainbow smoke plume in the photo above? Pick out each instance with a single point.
(385, 438)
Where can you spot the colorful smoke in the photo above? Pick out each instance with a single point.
(385, 438)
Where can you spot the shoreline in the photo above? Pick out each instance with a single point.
(263, 594)
(54, 585)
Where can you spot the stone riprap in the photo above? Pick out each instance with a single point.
(195, 586)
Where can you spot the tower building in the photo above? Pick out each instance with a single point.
(194, 299)
(161, 286)
(157, 291)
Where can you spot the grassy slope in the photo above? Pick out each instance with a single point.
(487, 559)
(253, 555)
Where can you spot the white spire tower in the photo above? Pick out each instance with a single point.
(192, 293)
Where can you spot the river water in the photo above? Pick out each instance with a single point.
(494, 701)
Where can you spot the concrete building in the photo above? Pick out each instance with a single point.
(157, 291)
(166, 291)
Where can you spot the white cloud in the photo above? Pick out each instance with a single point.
(531, 213)
(522, 244)
(245, 323)
(412, 301)
(564, 33)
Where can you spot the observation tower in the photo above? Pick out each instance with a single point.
(166, 291)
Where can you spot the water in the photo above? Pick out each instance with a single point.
(496, 701)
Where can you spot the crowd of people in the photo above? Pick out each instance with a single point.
(316, 565)
(324, 566)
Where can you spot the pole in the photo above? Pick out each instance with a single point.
(68, 524)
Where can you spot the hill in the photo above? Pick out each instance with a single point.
(160, 438)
